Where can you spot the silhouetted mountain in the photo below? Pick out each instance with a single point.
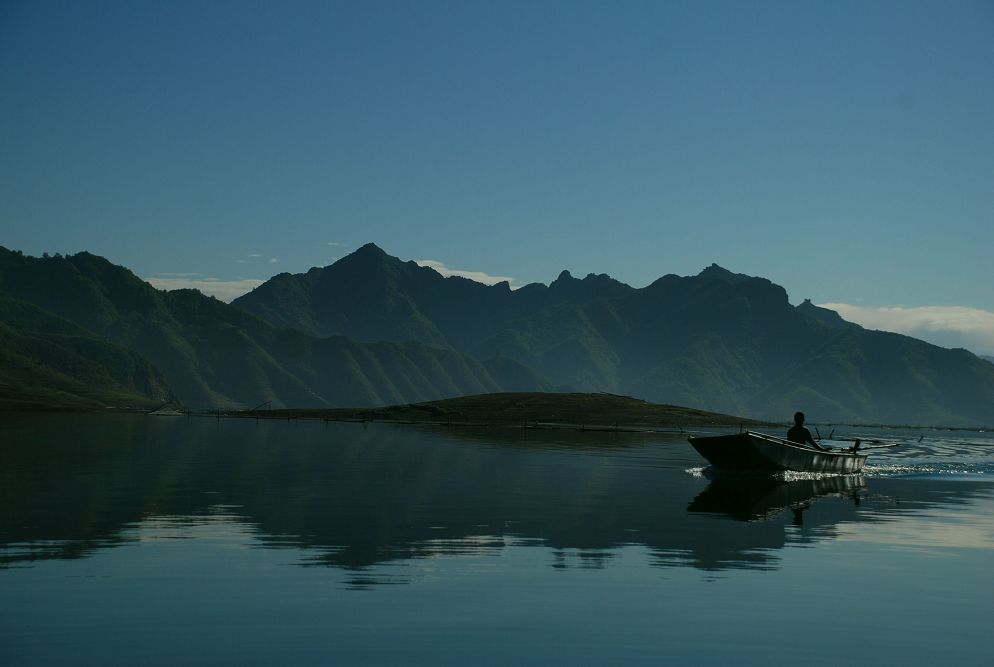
(986, 358)
(371, 296)
(719, 340)
(213, 354)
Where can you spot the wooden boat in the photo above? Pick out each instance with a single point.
(757, 451)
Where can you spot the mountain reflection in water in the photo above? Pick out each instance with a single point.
(355, 497)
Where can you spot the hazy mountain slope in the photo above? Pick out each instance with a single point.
(213, 354)
(873, 376)
(567, 343)
(712, 338)
(47, 361)
(738, 346)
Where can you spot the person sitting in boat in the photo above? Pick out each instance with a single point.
(801, 435)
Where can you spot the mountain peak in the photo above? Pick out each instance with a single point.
(564, 278)
(824, 315)
(715, 272)
(371, 250)
(368, 255)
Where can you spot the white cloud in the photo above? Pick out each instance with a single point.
(255, 258)
(478, 276)
(225, 290)
(948, 326)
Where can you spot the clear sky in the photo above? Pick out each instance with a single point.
(845, 150)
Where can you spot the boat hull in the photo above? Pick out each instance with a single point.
(761, 452)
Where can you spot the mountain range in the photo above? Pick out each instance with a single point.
(719, 340)
(372, 329)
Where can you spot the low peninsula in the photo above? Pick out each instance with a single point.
(597, 411)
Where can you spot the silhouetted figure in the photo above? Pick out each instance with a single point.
(801, 435)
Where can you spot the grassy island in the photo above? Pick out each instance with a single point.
(530, 410)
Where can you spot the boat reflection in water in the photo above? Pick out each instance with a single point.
(760, 498)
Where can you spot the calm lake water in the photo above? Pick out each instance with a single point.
(139, 540)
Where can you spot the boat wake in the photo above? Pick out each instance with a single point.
(945, 469)
(952, 458)
(710, 472)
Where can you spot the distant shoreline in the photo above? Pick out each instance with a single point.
(531, 410)
(593, 412)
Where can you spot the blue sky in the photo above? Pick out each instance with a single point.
(845, 150)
